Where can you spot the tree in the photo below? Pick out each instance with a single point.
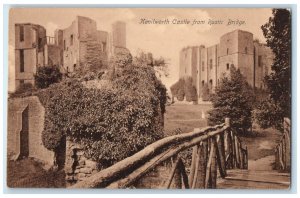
(46, 76)
(184, 88)
(190, 90)
(277, 32)
(268, 114)
(232, 99)
(160, 65)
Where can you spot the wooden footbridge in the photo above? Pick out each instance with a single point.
(218, 160)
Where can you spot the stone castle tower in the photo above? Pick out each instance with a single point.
(207, 65)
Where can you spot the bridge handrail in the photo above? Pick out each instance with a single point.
(125, 172)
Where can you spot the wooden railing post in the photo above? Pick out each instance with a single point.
(213, 169)
(175, 176)
(221, 155)
(193, 164)
(184, 176)
(227, 122)
(198, 180)
(211, 166)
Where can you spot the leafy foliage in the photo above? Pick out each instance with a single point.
(190, 90)
(110, 123)
(46, 76)
(268, 113)
(233, 99)
(277, 32)
(184, 88)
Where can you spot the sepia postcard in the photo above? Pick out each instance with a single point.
(149, 98)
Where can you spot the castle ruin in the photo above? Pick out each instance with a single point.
(77, 46)
(207, 65)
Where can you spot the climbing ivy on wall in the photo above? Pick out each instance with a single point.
(110, 123)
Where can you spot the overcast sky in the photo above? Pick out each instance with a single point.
(161, 40)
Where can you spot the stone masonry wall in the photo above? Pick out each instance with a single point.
(35, 119)
(77, 166)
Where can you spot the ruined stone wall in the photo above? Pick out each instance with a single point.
(203, 67)
(212, 61)
(228, 53)
(263, 62)
(32, 43)
(186, 62)
(58, 35)
(53, 55)
(32, 34)
(119, 34)
(71, 47)
(246, 55)
(194, 63)
(181, 63)
(87, 28)
(30, 62)
(35, 119)
(89, 46)
(77, 166)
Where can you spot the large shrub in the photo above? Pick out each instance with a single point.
(46, 76)
(233, 99)
(110, 123)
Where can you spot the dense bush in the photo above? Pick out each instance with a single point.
(110, 123)
(233, 99)
(184, 88)
(46, 76)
